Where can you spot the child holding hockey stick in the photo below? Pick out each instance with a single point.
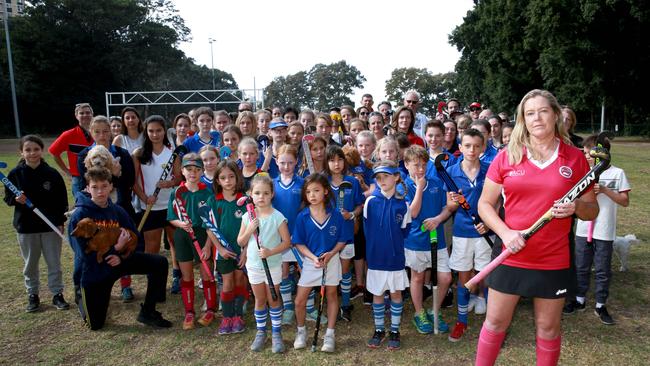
(274, 238)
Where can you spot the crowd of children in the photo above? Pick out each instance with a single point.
(263, 215)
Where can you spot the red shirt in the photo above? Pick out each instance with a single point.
(71, 141)
(529, 192)
(415, 139)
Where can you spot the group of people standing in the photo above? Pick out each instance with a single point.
(288, 213)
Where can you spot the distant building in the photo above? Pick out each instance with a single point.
(11, 7)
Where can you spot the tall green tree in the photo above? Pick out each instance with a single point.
(432, 88)
(291, 90)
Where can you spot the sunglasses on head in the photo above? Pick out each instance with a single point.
(474, 109)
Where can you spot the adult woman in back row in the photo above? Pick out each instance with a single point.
(132, 136)
(538, 167)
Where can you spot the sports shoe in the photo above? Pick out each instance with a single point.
(426, 292)
(207, 318)
(176, 286)
(301, 339)
(288, 317)
(33, 303)
(376, 339)
(448, 300)
(226, 326)
(153, 318)
(238, 325)
(604, 316)
(59, 302)
(277, 344)
(481, 306)
(393, 341)
(442, 325)
(472, 303)
(458, 331)
(188, 322)
(127, 294)
(77, 294)
(367, 297)
(571, 307)
(422, 323)
(357, 291)
(346, 313)
(258, 342)
(311, 316)
(328, 344)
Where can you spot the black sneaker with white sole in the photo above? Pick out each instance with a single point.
(59, 302)
(153, 318)
(346, 313)
(573, 306)
(604, 316)
(367, 297)
(33, 303)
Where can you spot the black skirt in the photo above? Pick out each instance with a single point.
(545, 284)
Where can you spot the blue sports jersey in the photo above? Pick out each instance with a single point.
(434, 199)
(287, 199)
(365, 172)
(353, 198)
(463, 225)
(386, 222)
(490, 153)
(194, 143)
(274, 169)
(208, 183)
(318, 237)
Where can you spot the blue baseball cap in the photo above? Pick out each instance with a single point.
(276, 124)
(384, 169)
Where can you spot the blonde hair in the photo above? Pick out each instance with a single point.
(99, 119)
(248, 141)
(385, 141)
(520, 137)
(251, 116)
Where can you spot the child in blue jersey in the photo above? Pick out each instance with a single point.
(427, 202)
(386, 224)
(470, 250)
(434, 134)
(365, 145)
(317, 151)
(489, 150)
(210, 158)
(352, 205)
(318, 236)
(273, 238)
(278, 133)
(205, 136)
(286, 199)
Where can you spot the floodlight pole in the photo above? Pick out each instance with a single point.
(14, 101)
(212, 40)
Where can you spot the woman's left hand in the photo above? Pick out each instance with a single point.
(562, 210)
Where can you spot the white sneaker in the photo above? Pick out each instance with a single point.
(301, 339)
(471, 304)
(328, 343)
(481, 306)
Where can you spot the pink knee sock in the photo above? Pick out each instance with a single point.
(489, 345)
(548, 351)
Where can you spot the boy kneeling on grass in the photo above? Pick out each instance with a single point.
(97, 278)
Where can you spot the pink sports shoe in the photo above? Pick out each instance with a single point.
(226, 326)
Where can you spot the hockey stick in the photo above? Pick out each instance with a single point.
(320, 309)
(580, 187)
(17, 192)
(452, 186)
(207, 216)
(599, 141)
(182, 215)
(250, 208)
(179, 151)
(433, 240)
(306, 140)
(225, 152)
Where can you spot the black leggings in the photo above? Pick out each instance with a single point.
(96, 296)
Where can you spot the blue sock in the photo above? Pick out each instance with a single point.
(310, 301)
(176, 273)
(463, 300)
(276, 319)
(285, 292)
(346, 286)
(485, 293)
(396, 309)
(260, 319)
(378, 315)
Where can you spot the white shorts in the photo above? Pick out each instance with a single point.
(347, 252)
(257, 276)
(468, 253)
(289, 256)
(312, 276)
(377, 282)
(420, 260)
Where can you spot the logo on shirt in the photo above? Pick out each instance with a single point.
(399, 218)
(517, 173)
(560, 292)
(239, 214)
(332, 230)
(47, 185)
(565, 171)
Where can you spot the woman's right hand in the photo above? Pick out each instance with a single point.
(513, 240)
(151, 200)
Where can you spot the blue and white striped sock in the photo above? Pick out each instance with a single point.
(260, 319)
(396, 309)
(310, 301)
(378, 315)
(276, 319)
(463, 301)
(346, 286)
(285, 292)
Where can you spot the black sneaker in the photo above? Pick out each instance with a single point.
(571, 307)
(357, 291)
(426, 292)
(77, 294)
(346, 313)
(59, 302)
(33, 303)
(153, 318)
(367, 297)
(449, 299)
(604, 316)
(376, 339)
(394, 341)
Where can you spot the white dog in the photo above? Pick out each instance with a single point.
(622, 249)
(99, 156)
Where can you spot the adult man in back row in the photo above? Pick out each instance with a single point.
(73, 141)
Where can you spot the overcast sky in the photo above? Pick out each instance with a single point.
(257, 40)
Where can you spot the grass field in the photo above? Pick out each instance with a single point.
(59, 337)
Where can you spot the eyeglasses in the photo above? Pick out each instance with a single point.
(412, 101)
